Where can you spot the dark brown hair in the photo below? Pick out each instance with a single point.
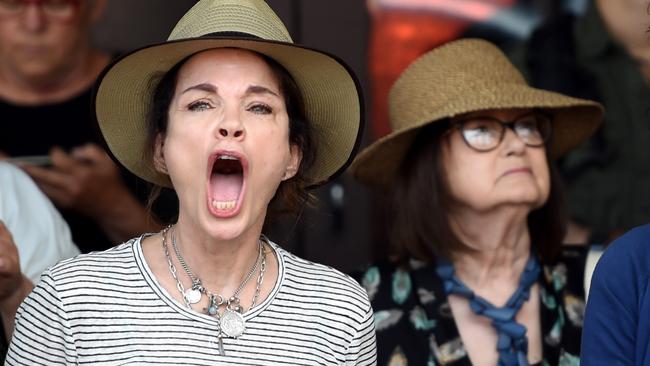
(420, 201)
(292, 194)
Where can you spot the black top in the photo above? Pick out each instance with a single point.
(34, 130)
(415, 325)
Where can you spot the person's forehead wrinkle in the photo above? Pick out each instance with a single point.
(206, 87)
(259, 89)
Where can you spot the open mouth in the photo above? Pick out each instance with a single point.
(226, 183)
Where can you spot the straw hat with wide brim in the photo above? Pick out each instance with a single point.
(331, 92)
(459, 77)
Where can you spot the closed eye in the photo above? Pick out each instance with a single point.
(260, 108)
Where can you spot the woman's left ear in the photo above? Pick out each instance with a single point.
(159, 155)
(294, 163)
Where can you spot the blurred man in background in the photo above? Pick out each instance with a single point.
(47, 69)
(602, 55)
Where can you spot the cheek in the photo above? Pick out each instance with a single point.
(182, 148)
(64, 44)
(274, 151)
(469, 184)
(543, 174)
(468, 173)
(7, 34)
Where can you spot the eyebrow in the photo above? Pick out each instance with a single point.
(253, 89)
(258, 89)
(206, 87)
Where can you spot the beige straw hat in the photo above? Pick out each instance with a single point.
(464, 76)
(331, 92)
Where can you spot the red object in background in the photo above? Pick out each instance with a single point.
(402, 30)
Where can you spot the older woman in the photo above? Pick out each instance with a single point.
(231, 115)
(480, 277)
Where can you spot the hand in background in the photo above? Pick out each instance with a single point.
(14, 286)
(10, 275)
(86, 180)
(89, 182)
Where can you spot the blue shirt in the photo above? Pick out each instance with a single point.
(617, 319)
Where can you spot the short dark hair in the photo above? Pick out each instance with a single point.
(421, 200)
(292, 194)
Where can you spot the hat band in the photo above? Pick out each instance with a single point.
(230, 34)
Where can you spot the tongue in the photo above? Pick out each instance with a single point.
(226, 187)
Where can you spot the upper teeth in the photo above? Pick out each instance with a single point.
(227, 157)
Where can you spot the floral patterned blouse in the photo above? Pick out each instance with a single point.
(415, 326)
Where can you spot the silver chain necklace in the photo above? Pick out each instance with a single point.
(231, 323)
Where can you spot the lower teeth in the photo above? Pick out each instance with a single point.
(223, 205)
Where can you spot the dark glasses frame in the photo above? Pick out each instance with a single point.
(545, 131)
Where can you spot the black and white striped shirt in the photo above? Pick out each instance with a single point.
(106, 308)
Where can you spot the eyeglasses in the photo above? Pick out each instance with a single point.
(62, 10)
(485, 133)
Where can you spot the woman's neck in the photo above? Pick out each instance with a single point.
(221, 265)
(498, 249)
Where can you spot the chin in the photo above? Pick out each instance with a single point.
(527, 197)
(225, 231)
(35, 71)
(230, 228)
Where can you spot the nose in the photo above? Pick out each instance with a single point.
(512, 143)
(224, 132)
(231, 126)
(34, 19)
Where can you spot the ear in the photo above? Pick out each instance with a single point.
(159, 155)
(294, 162)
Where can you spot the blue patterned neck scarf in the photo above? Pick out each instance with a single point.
(512, 344)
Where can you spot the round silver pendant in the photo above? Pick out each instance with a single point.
(192, 296)
(232, 324)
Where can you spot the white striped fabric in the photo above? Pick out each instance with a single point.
(106, 308)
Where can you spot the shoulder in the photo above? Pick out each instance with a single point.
(386, 282)
(318, 284)
(568, 272)
(96, 264)
(78, 279)
(618, 304)
(9, 170)
(309, 272)
(398, 294)
(632, 246)
(13, 177)
(408, 303)
(627, 258)
(19, 193)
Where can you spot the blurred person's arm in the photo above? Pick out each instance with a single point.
(14, 286)
(617, 317)
(89, 182)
